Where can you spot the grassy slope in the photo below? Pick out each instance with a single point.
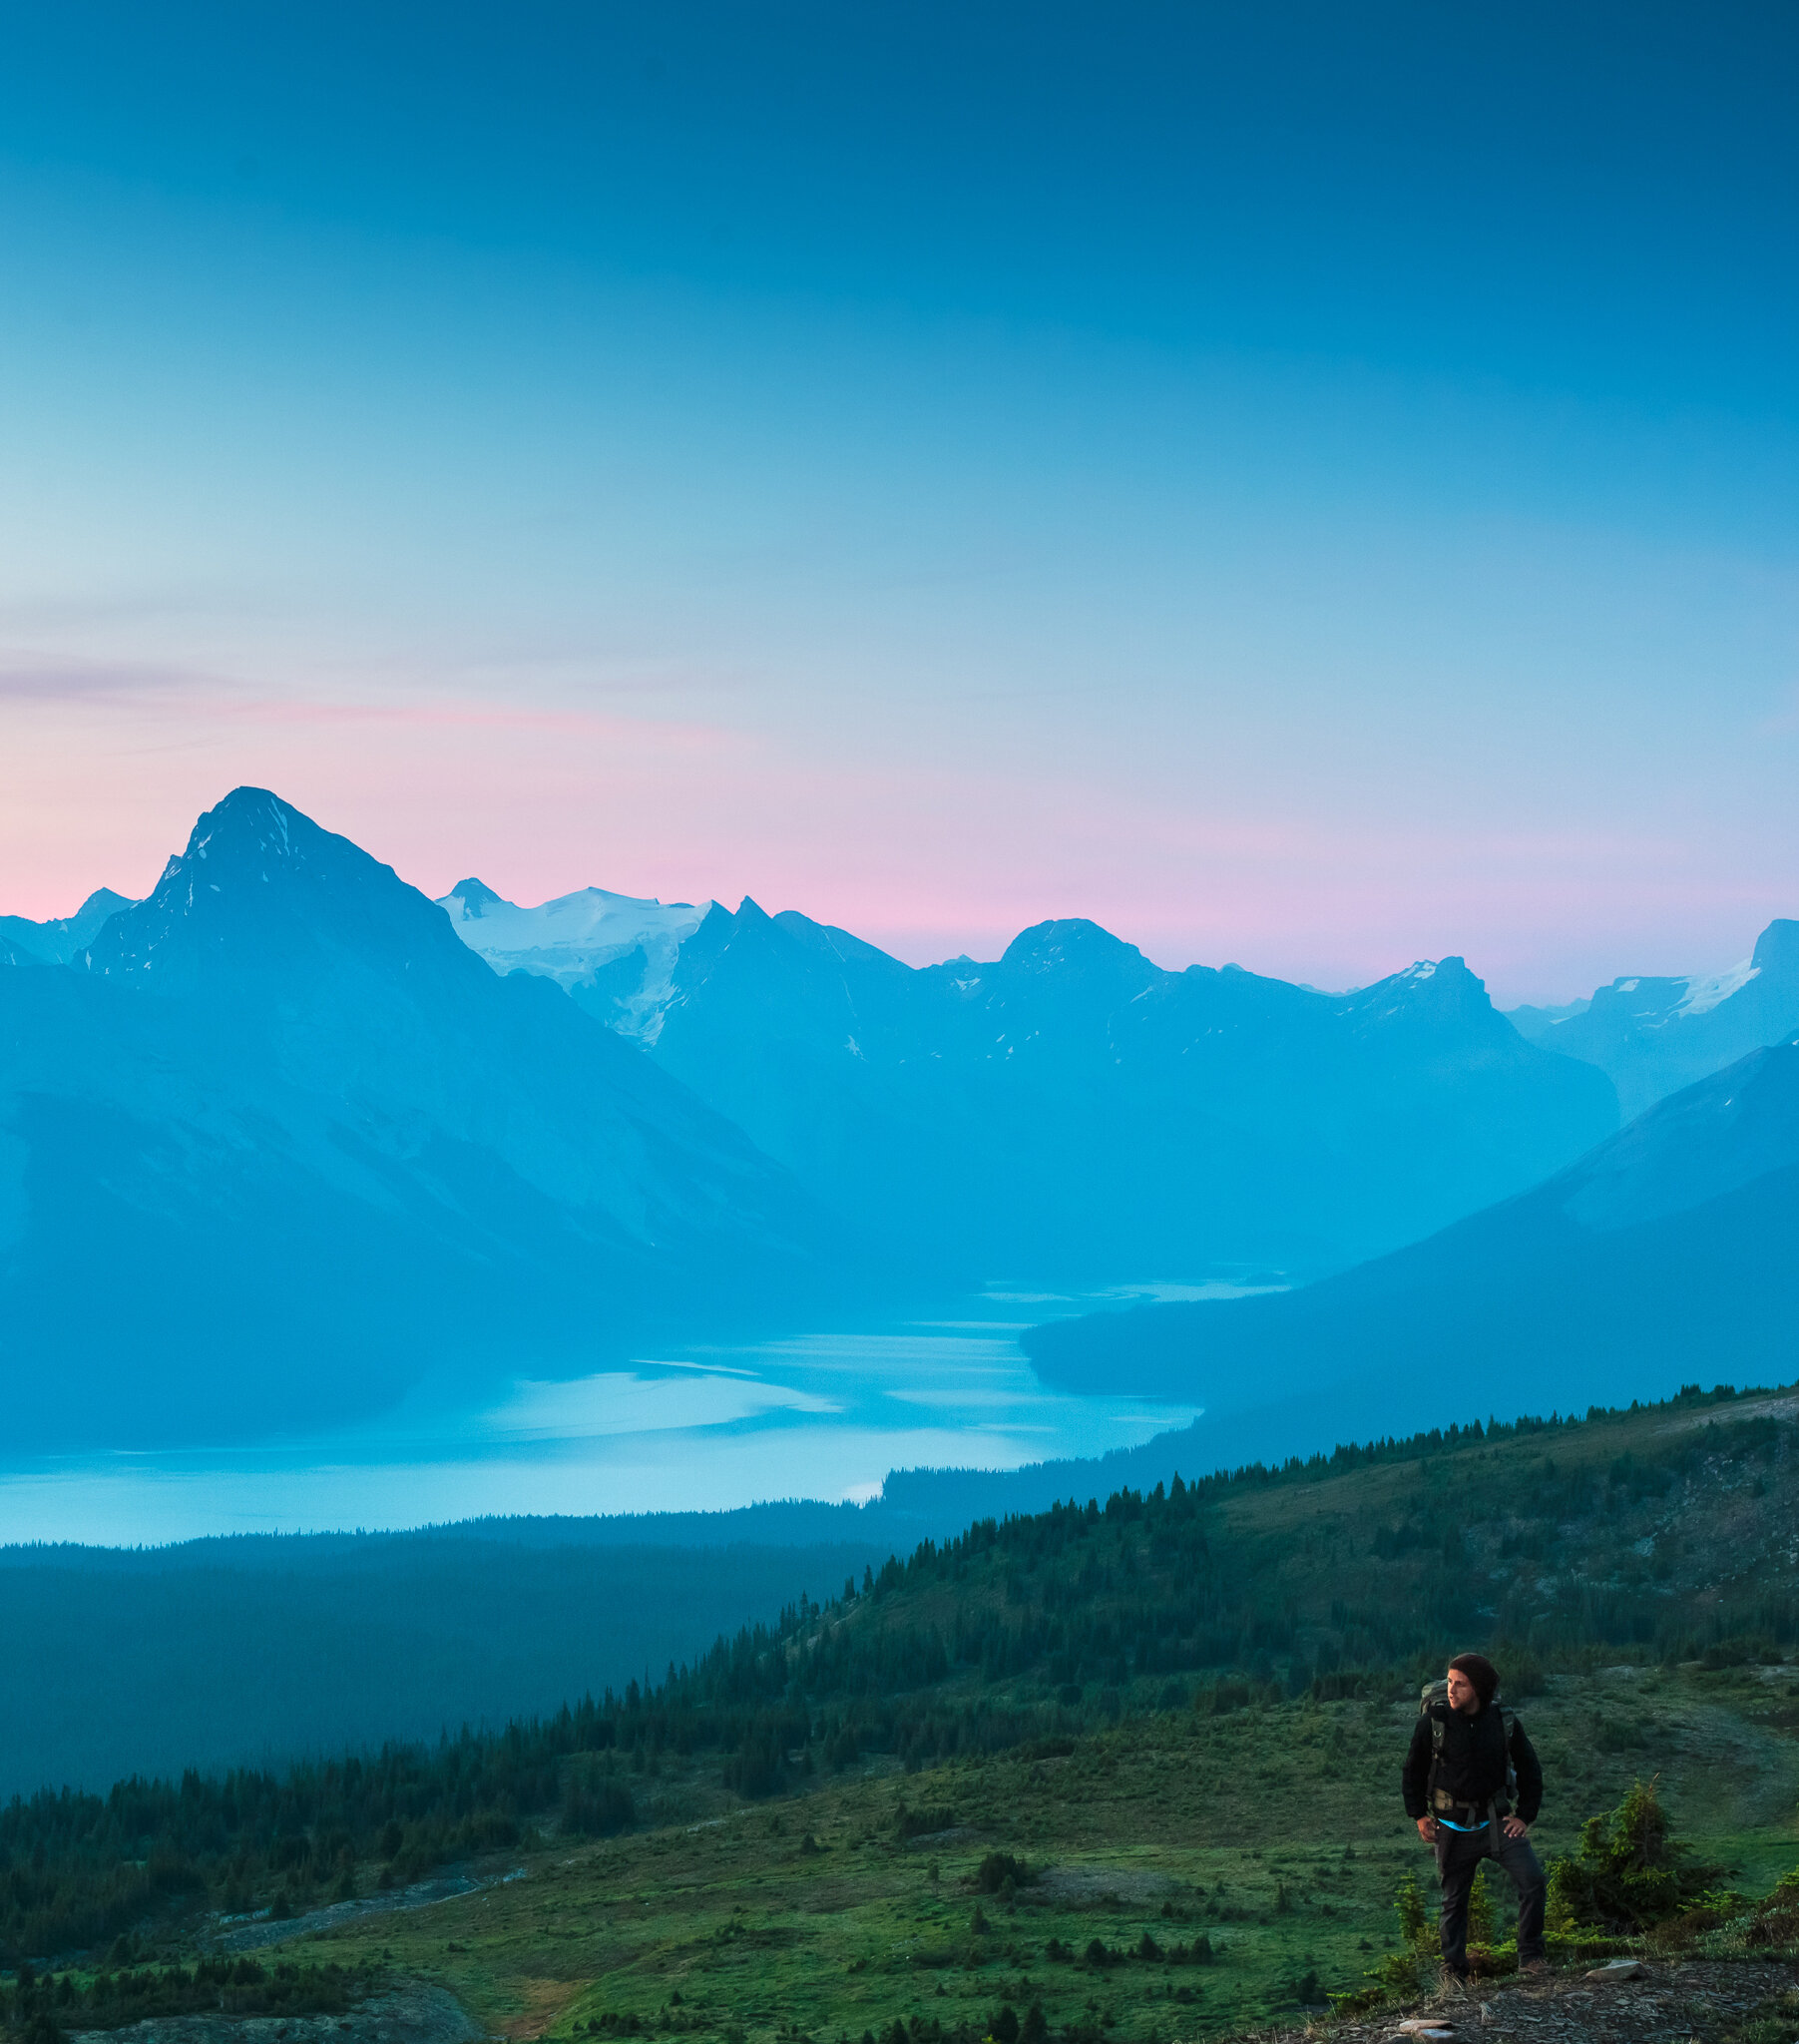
(1208, 1815)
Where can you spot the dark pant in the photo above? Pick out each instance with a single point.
(1458, 1854)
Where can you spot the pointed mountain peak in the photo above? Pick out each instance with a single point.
(1433, 993)
(64, 937)
(253, 823)
(263, 887)
(98, 907)
(471, 898)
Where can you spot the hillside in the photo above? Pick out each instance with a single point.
(1656, 1541)
(1667, 1250)
(279, 1123)
(332, 1643)
(325, 1642)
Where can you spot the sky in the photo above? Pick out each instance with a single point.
(1306, 485)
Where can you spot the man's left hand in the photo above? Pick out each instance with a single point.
(1515, 1827)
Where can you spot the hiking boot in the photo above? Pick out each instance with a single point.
(1535, 1971)
(1454, 1985)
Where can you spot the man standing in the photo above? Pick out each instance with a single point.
(1459, 1770)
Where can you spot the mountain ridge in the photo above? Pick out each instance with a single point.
(1661, 1252)
(944, 1105)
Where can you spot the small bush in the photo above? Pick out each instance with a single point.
(921, 1824)
(998, 1872)
(1630, 1873)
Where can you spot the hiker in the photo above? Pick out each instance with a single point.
(1472, 1787)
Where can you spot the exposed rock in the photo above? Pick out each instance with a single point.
(1675, 2001)
(413, 2014)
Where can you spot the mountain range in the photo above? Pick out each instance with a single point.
(275, 1145)
(1071, 1112)
(1663, 1257)
(1651, 1035)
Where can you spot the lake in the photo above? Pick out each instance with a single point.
(822, 1415)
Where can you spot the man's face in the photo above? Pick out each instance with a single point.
(1463, 1695)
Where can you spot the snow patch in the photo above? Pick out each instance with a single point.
(1703, 995)
(571, 938)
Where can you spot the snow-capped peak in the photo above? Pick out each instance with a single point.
(571, 938)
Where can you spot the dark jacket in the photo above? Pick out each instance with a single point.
(1473, 1766)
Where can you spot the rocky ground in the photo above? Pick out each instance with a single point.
(1712, 2003)
(240, 1934)
(413, 2014)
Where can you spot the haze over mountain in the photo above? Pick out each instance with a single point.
(1663, 1257)
(1071, 1110)
(277, 1144)
(1653, 1036)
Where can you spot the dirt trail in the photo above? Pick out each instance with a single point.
(1669, 2004)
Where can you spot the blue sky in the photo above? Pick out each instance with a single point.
(1314, 486)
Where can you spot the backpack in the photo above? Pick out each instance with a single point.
(1433, 1703)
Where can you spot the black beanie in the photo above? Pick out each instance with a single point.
(1481, 1672)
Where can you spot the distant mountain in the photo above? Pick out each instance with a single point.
(1073, 1111)
(1665, 1256)
(279, 1144)
(576, 938)
(58, 941)
(1653, 1036)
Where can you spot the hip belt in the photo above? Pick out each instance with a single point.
(1469, 1818)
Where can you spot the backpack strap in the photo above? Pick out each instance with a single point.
(1439, 1716)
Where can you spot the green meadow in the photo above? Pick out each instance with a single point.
(1188, 1873)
